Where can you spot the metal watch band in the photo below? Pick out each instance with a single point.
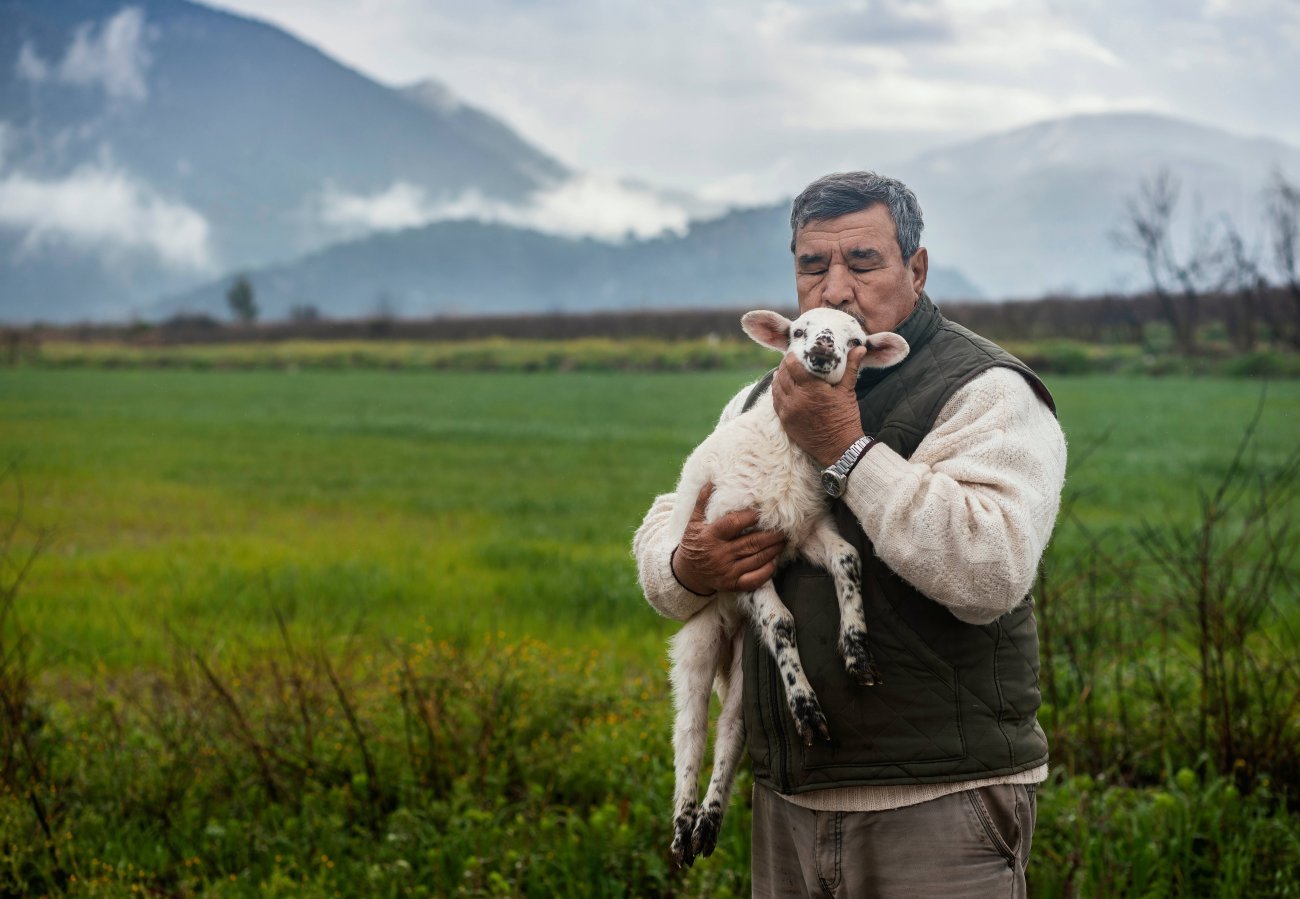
(852, 455)
(835, 478)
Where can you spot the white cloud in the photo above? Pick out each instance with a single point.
(402, 205)
(114, 56)
(585, 206)
(688, 94)
(102, 209)
(30, 66)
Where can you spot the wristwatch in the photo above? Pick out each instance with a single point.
(836, 478)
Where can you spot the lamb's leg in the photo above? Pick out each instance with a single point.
(696, 651)
(728, 744)
(827, 549)
(776, 629)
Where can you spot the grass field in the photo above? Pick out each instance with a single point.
(461, 541)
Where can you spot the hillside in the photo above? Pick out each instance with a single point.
(191, 140)
(1030, 211)
(741, 258)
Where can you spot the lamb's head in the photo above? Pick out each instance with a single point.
(822, 338)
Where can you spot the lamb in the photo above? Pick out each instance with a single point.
(753, 464)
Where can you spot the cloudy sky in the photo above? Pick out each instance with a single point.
(750, 97)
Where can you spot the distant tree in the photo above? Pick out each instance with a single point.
(304, 312)
(240, 299)
(1244, 275)
(1283, 200)
(386, 308)
(1178, 279)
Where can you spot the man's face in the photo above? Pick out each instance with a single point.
(853, 263)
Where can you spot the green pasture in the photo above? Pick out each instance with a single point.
(466, 503)
(449, 520)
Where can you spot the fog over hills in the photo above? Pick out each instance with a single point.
(169, 141)
(468, 267)
(1030, 211)
(151, 149)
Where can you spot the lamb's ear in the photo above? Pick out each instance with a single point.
(768, 328)
(885, 349)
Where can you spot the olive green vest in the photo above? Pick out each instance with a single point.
(958, 701)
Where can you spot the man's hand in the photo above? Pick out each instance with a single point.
(720, 555)
(822, 420)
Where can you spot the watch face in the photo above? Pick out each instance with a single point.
(832, 483)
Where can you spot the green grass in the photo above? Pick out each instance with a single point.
(359, 499)
(474, 502)
(468, 514)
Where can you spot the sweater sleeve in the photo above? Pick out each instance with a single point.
(967, 517)
(653, 546)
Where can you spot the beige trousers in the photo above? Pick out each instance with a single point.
(970, 844)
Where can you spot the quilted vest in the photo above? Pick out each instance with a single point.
(959, 701)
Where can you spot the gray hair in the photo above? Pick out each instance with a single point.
(831, 196)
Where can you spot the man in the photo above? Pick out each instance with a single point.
(954, 463)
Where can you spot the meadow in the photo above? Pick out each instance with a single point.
(367, 632)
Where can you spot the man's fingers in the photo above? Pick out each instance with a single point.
(760, 542)
(702, 501)
(796, 371)
(736, 530)
(856, 355)
(754, 579)
(761, 557)
(733, 524)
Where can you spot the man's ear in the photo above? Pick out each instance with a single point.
(771, 329)
(885, 349)
(919, 265)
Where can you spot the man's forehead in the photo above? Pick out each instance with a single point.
(870, 227)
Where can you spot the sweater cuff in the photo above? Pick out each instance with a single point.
(880, 469)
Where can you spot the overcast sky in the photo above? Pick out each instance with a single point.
(740, 95)
(733, 97)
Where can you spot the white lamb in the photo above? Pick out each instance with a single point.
(752, 464)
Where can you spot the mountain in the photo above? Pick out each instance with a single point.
(741, 258)
(152, 144)
(1030, 211)
(151, 148)
(1021, 213)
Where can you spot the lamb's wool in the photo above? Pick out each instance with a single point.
(752, 464)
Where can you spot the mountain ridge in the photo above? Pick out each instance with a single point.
(202, 143)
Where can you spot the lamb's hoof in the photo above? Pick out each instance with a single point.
(683, 837)
(707, 825)
(809, 720)
(863, 671)
(858, 662)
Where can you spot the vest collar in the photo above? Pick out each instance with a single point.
(916, 329)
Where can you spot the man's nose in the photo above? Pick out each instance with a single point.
(837, 289)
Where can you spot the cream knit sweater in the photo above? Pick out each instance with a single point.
(965, 521)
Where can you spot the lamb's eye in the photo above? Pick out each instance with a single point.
(798, 333)
(853, 341)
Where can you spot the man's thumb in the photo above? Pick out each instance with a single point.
(850, 379)
(702, 501)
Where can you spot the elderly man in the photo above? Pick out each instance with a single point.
(948, 474)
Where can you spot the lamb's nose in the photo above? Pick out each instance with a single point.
(826, 340)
